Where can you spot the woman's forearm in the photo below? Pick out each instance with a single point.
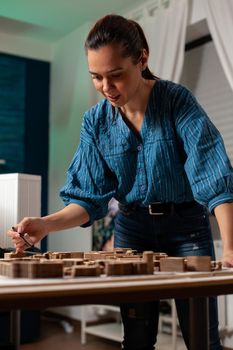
(224, 216)
(70, 216)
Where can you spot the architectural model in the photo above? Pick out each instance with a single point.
(118, 262)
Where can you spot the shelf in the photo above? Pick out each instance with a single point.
(112, 331)
(104, 308)
(165, 318)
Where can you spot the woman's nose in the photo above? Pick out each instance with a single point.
(107, 85)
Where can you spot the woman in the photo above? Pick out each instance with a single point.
(151, 146)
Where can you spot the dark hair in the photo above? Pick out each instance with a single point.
(115, 29)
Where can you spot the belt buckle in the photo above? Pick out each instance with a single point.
(151, 212)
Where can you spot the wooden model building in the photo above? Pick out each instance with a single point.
(118, 262)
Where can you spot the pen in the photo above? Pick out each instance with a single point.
(22, 235)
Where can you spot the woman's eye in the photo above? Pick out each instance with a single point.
(116, 76)
(95, 77)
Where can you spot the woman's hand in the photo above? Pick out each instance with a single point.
(37, 228)
(34, 229)
(227, 259)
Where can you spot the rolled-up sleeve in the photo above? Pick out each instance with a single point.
(89, 181)
(207, 165)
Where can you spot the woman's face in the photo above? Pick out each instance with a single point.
(114, 76)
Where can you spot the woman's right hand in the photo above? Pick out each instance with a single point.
(34, 227)
(37, 228)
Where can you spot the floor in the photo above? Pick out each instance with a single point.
(53, 336)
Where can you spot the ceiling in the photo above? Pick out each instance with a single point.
(49, 20)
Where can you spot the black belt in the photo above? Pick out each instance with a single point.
(157, 208)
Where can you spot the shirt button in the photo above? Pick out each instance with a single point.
(139, 148)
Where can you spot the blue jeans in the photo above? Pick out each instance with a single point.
(185, 232)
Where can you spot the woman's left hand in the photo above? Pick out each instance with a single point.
(228, 259)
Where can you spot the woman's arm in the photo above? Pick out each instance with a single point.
(70, 216)
(38, 227)
(224, 216)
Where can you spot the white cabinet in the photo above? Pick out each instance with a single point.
(20, 196)
(109, 330)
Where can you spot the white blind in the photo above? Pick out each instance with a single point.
(204, 76)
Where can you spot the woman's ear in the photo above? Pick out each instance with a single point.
(144, 59)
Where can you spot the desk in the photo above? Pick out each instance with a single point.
(16, 294)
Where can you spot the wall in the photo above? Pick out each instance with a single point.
(196, 11)
(70, 97)
(25, 47)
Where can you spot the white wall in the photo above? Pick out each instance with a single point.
(196, 11)
(71, 95)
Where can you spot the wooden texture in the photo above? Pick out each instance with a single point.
(118, 262)
(21, 293)
(12, 255)
(82, 270)
(25, 294)
(173, 264)
(119, 268)
(120, 285)
(198, 263)
(148, 257)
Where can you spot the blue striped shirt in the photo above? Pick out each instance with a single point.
(179, 156)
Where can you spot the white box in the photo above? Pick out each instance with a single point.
(20, 196)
